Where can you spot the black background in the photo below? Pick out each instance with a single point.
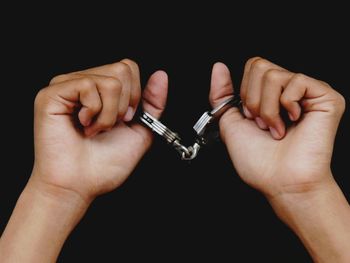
(168, 210)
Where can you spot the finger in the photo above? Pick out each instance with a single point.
(135, 92)
(125, 78)
(63, 98)
(244, 85)
(290, 98)
(153, 101)
(274, 80)
(110, 93)
(221, 88)
(322, 106)
(253, 93)
(155, 94)
(109, 89)
(125, 71)
(312, 95)
(109, 70)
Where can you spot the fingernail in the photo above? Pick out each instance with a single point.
(129, 114)
(274, 133)
(291, 117)
(87, 123)
(260, 122)
(247, 113)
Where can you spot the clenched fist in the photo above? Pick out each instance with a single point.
(289, 165)
(85, 139)
(266, 154)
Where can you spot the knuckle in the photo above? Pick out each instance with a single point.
(272, 75)
(87, 83)
(342, 103)
(339, 102)
(112, 85)
(251, 60)
(59, 78)
(130, 62)
(150, 93)
(95, 106)
(40, 98)
(325, 84)
(285, 101)
(121, 68)
(299, 78)
(260, 64)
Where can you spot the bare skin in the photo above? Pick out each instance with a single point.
(73, 166)
(291, 167)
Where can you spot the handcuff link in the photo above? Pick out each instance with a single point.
(200, 127)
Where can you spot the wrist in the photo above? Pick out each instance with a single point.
(302, 198)
(57, 188)
(58, 198)
(320, 218)
(43, 218)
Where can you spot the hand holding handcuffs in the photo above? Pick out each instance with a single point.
(172, 138)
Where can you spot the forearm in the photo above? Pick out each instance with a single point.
(321, 219)
(40, 223)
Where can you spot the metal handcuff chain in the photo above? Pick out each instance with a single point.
(172, 138)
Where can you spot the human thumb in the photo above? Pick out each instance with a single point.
(220, 89)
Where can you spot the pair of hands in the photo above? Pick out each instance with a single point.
(99, 155)
(86, 144)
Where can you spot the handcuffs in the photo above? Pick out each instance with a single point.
(201, 127)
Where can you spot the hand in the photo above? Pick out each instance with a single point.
(85, 140)
(85, 144)
(267, 155)
(291, 166)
